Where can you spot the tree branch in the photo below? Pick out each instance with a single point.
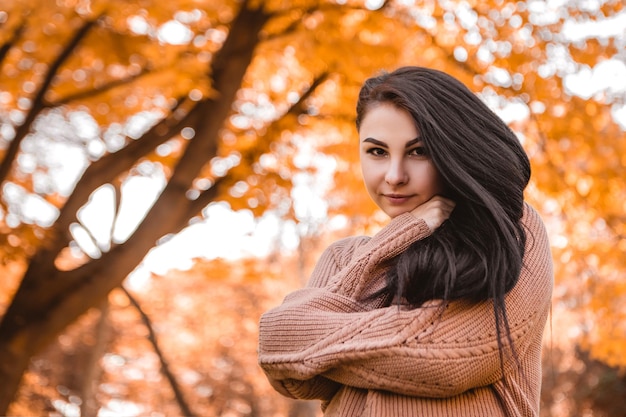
(92, 238)
(165, 368)
(117, 189)
(251, 155)
(298, 106)
(107, 168)
(6, 47)
(100, 89)
(203, 200)
(38, 100)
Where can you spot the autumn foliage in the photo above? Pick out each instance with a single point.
(249, 103)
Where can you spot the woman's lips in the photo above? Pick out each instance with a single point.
(397, 199)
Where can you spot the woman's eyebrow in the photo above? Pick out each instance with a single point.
(375, 142)
(383, 144)
(412, 142)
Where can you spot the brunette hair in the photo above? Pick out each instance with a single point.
(477, 253)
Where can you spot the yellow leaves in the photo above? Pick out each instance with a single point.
(577, 124)
(269, 194)
(588, 250)
(591, 108)
(12, 18)
(605, 339)
(611, 8)
(591, 51)
(331, 45)
(583, 185)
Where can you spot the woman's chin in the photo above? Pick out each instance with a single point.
(393, 212)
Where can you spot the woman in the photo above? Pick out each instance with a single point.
(442, 312)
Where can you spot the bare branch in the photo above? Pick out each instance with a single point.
(165, 368)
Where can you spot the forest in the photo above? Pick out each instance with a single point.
(170, 170)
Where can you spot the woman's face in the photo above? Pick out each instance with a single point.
(398, 174)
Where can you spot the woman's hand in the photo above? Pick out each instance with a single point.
(435, 211)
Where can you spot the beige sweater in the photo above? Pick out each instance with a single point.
(361, 359)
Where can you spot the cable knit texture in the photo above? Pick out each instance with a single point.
(332, 341)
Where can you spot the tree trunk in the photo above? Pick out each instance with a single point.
(29, 326)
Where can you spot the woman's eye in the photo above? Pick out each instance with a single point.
(419, 151)
(377, 152)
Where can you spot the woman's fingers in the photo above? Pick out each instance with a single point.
(435, 211)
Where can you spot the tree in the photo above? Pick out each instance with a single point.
(101, 67)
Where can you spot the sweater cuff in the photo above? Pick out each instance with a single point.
(396, 236)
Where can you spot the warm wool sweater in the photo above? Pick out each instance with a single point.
(366, 360)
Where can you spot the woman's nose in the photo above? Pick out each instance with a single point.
(396, 173)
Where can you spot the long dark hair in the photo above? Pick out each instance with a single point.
(477, 253)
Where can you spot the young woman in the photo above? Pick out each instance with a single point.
(442, 312)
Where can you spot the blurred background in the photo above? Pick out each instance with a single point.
(170, 170)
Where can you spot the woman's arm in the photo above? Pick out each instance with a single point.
(330, 263)
(338, 263)
(424, 352)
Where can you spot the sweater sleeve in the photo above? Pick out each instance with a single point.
(365, 272)
(339, 262)
(432, 351)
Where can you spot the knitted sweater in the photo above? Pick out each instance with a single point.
(366, 360)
